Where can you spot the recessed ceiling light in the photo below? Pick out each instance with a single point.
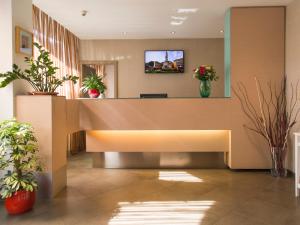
(182, 18)
(191, 10)
(84, 12)
(176, 23)
(173, 32)
(221, 31)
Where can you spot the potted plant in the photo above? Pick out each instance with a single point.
(18, 157)
(40, 74)
(93, 85)
(205, 74)
(272, 117)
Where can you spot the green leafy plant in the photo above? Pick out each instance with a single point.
(40, 73)
(93, 81)
(18, 156)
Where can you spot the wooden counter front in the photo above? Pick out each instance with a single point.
(131, 125)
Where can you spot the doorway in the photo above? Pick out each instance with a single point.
(108, 70)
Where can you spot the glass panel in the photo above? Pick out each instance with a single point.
(227, 54)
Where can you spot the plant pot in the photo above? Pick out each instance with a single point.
(43, 93)
(20, 202)
(205, 88)
(93, 93)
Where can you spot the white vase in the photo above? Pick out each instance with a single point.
(102, 95)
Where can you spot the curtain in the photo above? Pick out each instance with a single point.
(99, 68)
(63, 47)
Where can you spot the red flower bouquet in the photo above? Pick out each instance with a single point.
(205, 73)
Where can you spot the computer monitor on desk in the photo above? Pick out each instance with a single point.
(161, 95)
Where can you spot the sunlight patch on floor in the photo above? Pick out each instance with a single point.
(161, 212)
(178, 176)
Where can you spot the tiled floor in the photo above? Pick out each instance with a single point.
(144, 197)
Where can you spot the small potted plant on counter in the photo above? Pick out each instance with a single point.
(18, 157)
(40, 74)
(93, 85)
(205, 74)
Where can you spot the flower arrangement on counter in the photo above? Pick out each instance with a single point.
(205, 72)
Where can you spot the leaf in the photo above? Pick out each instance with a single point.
(8, 78)
(15, 183)
(23, 184)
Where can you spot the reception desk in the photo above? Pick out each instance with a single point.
(139, 129)
(168, 125)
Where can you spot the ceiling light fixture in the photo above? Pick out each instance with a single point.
(221, 31)
(182, 18)
(176, 23)
(191, 10)
(84, 12)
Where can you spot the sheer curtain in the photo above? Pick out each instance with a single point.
(99, 68)
(63, 47)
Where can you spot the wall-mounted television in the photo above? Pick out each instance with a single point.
(164, 61)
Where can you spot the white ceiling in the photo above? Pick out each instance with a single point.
(141, 19)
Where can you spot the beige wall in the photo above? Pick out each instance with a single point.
(22, 17)
(6, 58)
(130, 56)
(12, 13)
(293, 58)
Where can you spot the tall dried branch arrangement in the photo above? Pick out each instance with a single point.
(274, 117)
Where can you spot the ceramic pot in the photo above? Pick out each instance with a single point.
(94, 93)
(43, 93)
(20, 202)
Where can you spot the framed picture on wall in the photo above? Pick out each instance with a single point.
(24, 41)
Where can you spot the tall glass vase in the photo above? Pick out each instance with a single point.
(205, 88)
(278, 162)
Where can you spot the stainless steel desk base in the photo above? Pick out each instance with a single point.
(166, 160)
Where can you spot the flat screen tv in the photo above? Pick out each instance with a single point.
(164, 61)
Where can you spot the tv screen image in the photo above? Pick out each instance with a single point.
(164, 61)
